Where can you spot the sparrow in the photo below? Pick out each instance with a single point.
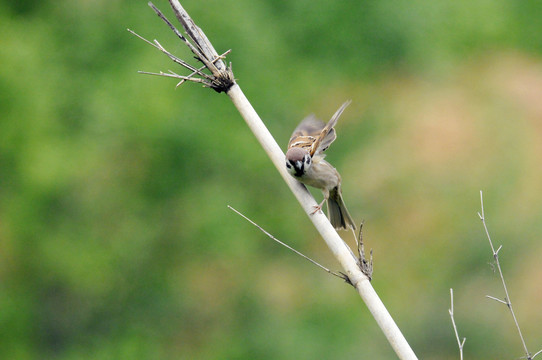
(305, 162)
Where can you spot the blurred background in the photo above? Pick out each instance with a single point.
(115, 237)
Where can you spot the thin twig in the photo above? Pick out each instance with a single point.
(366, 266)
(339, 275)
(206, 80)
(175, 59)
(460, 343)
(506, 300)
(174, 29)
(174, 75)
(221, 78)
(206, 53)
(497, 299)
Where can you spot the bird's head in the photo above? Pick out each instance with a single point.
(298, 161)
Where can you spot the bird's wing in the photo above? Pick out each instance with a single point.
(327, 134)
(306, 132)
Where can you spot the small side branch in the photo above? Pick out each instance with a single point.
(506, 300)
(460, 343)
(221, 78)
(339, 275)
(366, 266)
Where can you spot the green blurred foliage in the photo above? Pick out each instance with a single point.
(115, 238)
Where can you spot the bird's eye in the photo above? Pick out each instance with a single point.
(308, 160)
(288, 165)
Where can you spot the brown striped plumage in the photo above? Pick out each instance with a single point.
(305, 162)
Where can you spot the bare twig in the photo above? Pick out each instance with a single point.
(221, 78)
(339, 275)
(506, 300)
(366, 266)
(223, 81)
(497, 299)
(175, 59)
(460, 343)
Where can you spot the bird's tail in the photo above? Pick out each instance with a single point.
(336, 211)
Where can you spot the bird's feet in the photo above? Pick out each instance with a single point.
(318, 207)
